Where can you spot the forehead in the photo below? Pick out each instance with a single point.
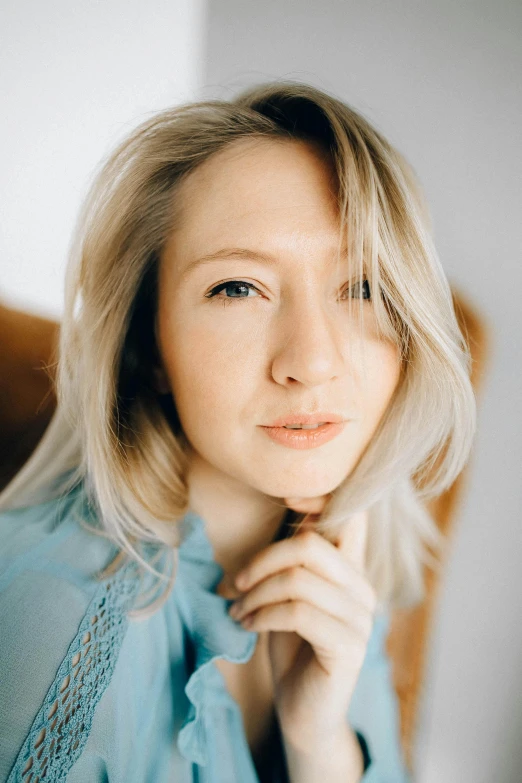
(260, 190)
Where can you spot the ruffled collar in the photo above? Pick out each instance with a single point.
(214, 633)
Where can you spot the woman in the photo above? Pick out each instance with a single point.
(260, 374)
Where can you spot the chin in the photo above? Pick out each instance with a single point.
(283, 487)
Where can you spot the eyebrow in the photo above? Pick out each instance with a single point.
(237, 253)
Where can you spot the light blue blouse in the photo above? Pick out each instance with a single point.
(88, 694)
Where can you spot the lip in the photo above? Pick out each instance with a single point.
(307, 418)
(306, 439)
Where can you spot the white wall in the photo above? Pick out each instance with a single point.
(75, 78)
(442, 80)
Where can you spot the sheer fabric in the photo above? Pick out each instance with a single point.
(88, 694)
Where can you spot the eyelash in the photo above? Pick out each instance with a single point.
(226, 300)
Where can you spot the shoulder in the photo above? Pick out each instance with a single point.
(35, 535)
(61, 625)
(49, 575)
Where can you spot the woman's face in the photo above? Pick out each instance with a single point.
(253, 322)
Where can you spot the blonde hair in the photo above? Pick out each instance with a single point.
(116, 432)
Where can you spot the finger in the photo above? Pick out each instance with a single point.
(352, 541)
(227, 589)
(310, 550)
(332, 640)
(300, 584)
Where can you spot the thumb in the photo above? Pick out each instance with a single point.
(353, 540)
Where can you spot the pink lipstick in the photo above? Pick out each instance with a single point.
(305, 431)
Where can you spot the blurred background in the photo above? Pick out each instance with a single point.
(442, 80)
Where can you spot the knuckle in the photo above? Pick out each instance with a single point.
(294, 578)
(307, 541)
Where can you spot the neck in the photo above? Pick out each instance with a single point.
(239, 520)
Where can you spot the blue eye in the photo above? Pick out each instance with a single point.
(231, 285)
(366, 294)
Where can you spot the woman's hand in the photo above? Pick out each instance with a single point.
(315, 600)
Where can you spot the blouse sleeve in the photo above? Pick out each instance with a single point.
(367, 760)
(374, 714)
(57, 654)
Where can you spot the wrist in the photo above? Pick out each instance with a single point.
(339, 759)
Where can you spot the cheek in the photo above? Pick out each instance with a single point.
(210, 370)
(383, 368)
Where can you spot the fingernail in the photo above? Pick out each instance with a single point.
(234, 609)
(227, 589)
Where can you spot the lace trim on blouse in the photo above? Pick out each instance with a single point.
(62, 726)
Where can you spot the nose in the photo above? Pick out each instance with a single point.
(310, 343)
